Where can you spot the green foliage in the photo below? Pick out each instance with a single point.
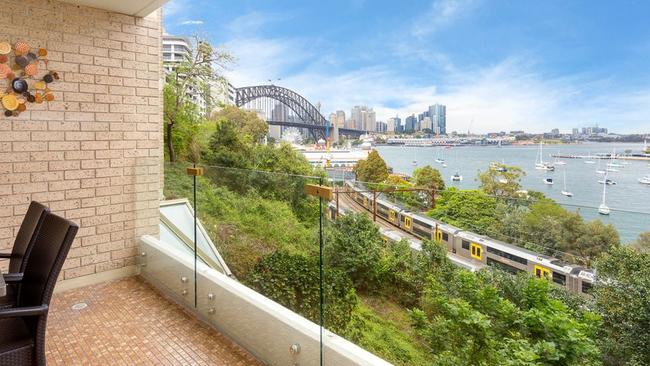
(623, 300)
(244, 227)
(385, 338)
(467, 322)
(197, 71)
(501, 180)
(293, 281)
(428, 177)
(372, 170)
(642, 243)
(470, 209)
(355, 246)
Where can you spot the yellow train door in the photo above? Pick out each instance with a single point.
(391, 215)
(541, 272)
(438, 235)
(408, 222)
(476, 251)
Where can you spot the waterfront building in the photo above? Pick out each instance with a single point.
(426, 124)
(363, 118)
(381, 127)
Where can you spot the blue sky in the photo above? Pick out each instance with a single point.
(497, 65)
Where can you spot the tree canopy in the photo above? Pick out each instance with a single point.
(427, 177)
(372, 169)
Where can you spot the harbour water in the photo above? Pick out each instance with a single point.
(628, 199)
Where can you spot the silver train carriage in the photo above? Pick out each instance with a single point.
(481, 250)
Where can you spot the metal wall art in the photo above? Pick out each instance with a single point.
(21, 70)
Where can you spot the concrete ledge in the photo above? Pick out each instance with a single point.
(263, 327)
(96, 278)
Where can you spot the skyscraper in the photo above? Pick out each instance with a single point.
(364, 118)
(438, 114)
(340, 119)
(410, 123)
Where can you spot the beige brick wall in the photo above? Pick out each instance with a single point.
(93, 155)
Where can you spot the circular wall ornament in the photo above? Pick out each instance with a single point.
(24, 83)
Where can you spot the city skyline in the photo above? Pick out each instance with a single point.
(533, 64)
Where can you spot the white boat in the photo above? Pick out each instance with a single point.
(615, 165)
(548, 181)
(564, 191)
(498, 167)
(444, 165)
(456, 177)
(558, 161)
(414, 163)
(611, 169)
(645, 180)
(600, 171)
(590, 162)
(607, 182)
(503, 181)
(540, 164)
(603, 209)
(439, 161)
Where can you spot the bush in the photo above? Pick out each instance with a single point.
(294, 281)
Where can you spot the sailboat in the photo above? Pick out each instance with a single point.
(589, 157)
(645, 180)
(540, 164)
(598, 170)
(564, 191)
(456, 177)
(558, 161)
(414, 162)
(548, 181)
(439, 159)
(613, 162)
(603, 209)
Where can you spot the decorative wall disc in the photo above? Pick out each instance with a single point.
(21, 70)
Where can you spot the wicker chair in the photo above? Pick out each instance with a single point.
(22, 335)
(22, 248)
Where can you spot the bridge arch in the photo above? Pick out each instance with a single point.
(307, 112)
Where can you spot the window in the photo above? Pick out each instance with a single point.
(559, 278)
(541, 272)
(586, 287)
(465, 245)
(477, 251)
(445, 236)
(421, 233)
(503, 266)
(507, 255)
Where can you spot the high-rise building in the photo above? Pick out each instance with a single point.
(425, 124)
(340, 119)
(438, 114)
(575, 132)
(381, 127)
(363, 118)
(410, 123)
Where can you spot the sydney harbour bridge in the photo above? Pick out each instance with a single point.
(284, 107)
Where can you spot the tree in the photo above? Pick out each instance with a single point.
(468, 209)
(622, 299)
(355, 246)
(642, 243)
(501, 180)
(372, 170)
(595, 239)
(200, 67)
(249, 125)
(293, 281)
(427, 177)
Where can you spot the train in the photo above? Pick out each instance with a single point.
(473, 251)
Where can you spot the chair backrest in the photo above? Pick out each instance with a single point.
(26, 236)
(51, 247)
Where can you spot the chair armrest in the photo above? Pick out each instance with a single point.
(23, 311)
(5, 255)
(12, 277)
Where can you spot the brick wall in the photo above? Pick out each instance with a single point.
(93, 154)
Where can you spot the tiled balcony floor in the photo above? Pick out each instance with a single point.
(128, 323)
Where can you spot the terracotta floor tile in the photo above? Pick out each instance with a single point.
(128, 323)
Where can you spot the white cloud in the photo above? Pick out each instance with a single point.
(173, 7)
(441, 13)
(191, 22)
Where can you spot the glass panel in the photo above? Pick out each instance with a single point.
(266, 232)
